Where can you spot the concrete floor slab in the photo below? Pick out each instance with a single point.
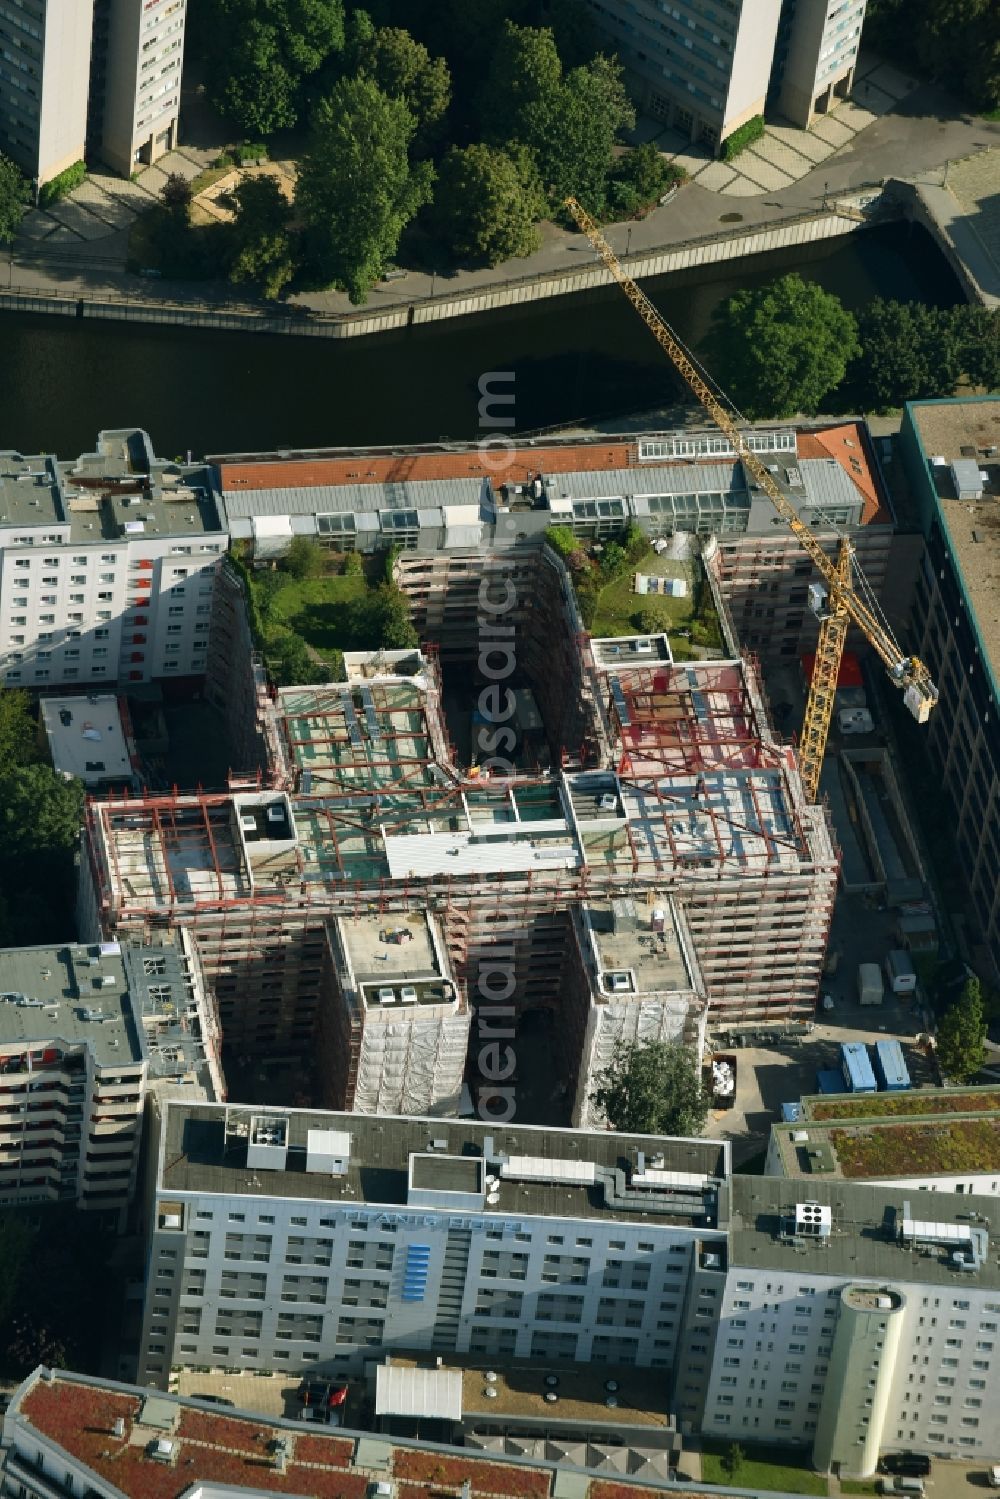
(783, 156)
(874, 99)
(892, 81)
(79, 219)
(154, 179)
(93, 198)
(692, 160)
(123, 191)
(113, 212)
(802, 141)
(716, 176)
(177, 162)
(36, 226)
(63, 236)
(755, 169)
(742, 187)
(830, 130)
(854, 116)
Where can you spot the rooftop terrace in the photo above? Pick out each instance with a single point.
(636, 948)
(201, 1151)
(233, 1451)
(394, 961)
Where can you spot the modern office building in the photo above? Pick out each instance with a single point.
(853, 1326)
(86, 1034)
(706, 69)
(107, 566)
(284, 1239)
(952, 454)
(97, 77)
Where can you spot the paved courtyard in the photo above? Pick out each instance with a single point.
(784, 155)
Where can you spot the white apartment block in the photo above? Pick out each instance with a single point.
(142, 85)
(817, 55)
(44, 83)
(107, 566)
(853, 1326)
(85, 1034)
(89, 76)
(706, 67)
(287, 1240)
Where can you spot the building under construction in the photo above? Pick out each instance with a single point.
(673, 862)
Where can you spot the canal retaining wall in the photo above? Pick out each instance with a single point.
(843, 216)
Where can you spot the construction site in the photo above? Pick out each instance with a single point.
(653, 870)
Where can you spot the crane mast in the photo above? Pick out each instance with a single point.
(845, 607)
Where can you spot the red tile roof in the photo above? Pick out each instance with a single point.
(849, 445)
(504, 466)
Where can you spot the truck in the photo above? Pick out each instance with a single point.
(900, 972)
(890, 1067)
(856, 1068)
(870, 990)
(724, 1079)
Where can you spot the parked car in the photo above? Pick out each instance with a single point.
(909, 1464)
(993, 1476)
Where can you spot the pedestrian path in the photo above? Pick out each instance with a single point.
(784, 154)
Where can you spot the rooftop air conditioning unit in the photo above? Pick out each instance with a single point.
(642, 647)
(276, 812)
(408, 995)
(618, 983)
(387, 996)
(248, 822)
(608, 802)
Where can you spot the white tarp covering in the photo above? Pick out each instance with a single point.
(433, 1393)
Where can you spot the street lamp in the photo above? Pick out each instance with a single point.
(628, 242)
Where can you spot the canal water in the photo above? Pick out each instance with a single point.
(574, 358)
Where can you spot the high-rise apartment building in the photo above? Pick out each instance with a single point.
(107, 566)
(951, 450)
(78, 76)
(706, 67)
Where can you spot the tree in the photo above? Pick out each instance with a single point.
(647, 621)
(292, 663)
(732, 1460)
(640, 178)
(653, 1090)
(176, 194)
(909, 352)
(260, 243)
(979, 337)
(961, 1037)
(261, 55)
(568, 123)
(381, 620)
(357, 189)
(304, 558)
(404, 69)
(18, 732)
(781, 349)
(15, 195)
(956, 41)
(32, 1343)
(40, 815)
(486, 204)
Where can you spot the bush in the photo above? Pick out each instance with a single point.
(647, 621)
(51, 192)
(614, 561)
(743, 137)
(353, 565)
(640, 178)
(635, 541)
(587, 600)
(561, 539)
(224, 159)
(250, 151)
(304, 558)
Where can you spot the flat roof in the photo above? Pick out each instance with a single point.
(915, 1133)
(968, 429)
(29, 493)
(87, 738)
(519, 1388)
(378, 732)
(417, 1392)
(865, 1238)
(638, 936)
(195, 1156)
(225, 1447)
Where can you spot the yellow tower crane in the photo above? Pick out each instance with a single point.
(838, 606)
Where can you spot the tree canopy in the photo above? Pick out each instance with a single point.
(15, 195)
(955, 41)
(653, 1090)
(357, 188)
(262, 54)
(961, 1036)
(486, 203)
(260, 243)
(911, 352)
(781, 349)
(404, 69)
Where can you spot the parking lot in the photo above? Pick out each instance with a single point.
(273, 1395)
(771, 1074)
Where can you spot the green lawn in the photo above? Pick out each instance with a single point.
(858, 1486)
(767, 1468)
(317, 608)
(618, 602)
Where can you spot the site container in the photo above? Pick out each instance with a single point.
(890, 1067)
(857, 1068)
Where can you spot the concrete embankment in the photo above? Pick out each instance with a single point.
(845, 216)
